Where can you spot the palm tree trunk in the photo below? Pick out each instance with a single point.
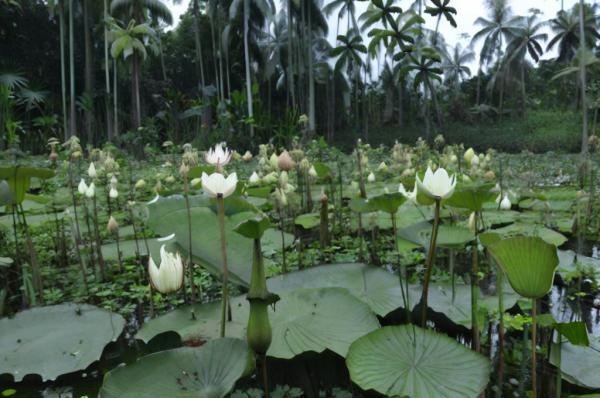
(584, 135)
(311, 78)
(213, 22)
(63, 77)
(73, 118)
(162, 57)
(198, 43)
(135, 92)
(523, 92)
(478, 99)
(115, 102)
(89, 72)
(109, 126)
(290, 70)
(247, 61)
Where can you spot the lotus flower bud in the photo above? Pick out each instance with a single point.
(489, 175)
(273, 161)
(113, 193)
(92, 171)
(195, 182)
(140, 184)
(281, 197)
(90, 192)
(475, 161)
(184, 169)
(285, 161)
(469, 155)
(283, 179)
(53, 155)
(169, 277)
(304, 164)
(505, 203)
(254, 179)
(76, 155)
(270, 178)
(113, 181)
(371, 177)
(170, 179)
(112, 225)
(313, 172)
(472, 222)
(453, 158)
(382, 167)
(82, 187)
(247, 156)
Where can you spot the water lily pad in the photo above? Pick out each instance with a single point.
(52, 341)
(210, 371)
(579, 365)
(169, 215)
(408, 361)
(547, 234)
(303, 320)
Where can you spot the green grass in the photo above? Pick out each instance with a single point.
(541, 131)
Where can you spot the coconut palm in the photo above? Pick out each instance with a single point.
(349, 55)
(141, 10)
(378, 11)
(455, 62)
(441, 8)
(526, 40)
(565, 27)
(345, 8)
(494, 30)
(130, 43)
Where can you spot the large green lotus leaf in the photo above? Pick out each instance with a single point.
(459, 311)
(169, 215)
(579, 364)
(303, 320)
(548, 235)
(529, 263)
(449, 236)
(308, 220)
(407, 214)
(19, 178)
(569, 264)
(52, 341)
(210, 371)
(129, 247)
(472, 196)
(6, 194)
(372, 285)
(407, 361)
(497, 217)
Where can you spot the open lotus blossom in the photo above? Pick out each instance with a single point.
(505, 203)
(92, 170)
(438, 185)
(167, 278)
(218, 156)
(90, 192)
(82, 187)
(217, 185)
(412, 196)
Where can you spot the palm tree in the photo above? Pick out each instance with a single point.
(494, 30)
(130, 43)
(349, 59)
(73, 114)
(455, 64)
(59, 7)
(567, 31)
(109, 124)
(346, 8)
(441, 7)
(525, 40)
(138, 11)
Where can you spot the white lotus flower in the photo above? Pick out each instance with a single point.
(505, 203)
(169, 277)
(217, 185)
(113, 193)
(371, 177)
(254, 179)
(218, 156)
(90, 192)
(469, 155)
(382, 167)
(412, 196)
(437, 185)
(475, 161)
(92, 170)
(312, 172)
(82, 187)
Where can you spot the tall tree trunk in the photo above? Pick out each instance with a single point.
(478, 99)
(109, 127)
(247, 61)
(63, 76)
(290, 70)
(311, 79)
(400, 103)
(163, 69)
(73, 116)
(136, 110)
(198, 44)
(115, 100)
(214, 21)
(89, 72)
(523, 92)
(584, 134)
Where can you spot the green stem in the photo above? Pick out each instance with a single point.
(190, 264)
(402, 274)
(533, 348)
(225, 292)
(500, 327)
(558, 357)
(429, 264)
(475, 289)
